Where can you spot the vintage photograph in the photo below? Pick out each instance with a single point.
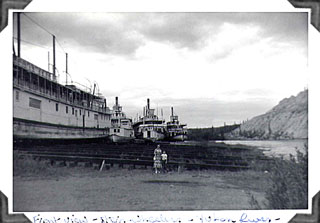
(160, 111)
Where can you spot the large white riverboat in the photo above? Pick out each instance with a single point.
(46, 109)
(121, 126)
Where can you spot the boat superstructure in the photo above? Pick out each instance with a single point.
(45, 109)
(150, 126)
(175, 130)
(121, 126)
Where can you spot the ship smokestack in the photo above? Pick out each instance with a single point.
(148, 103)
(116, 100)
(171, 111)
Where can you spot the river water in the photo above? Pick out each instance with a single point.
(273, 147)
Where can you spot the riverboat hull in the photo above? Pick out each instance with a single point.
(26, 129)
(152, 135)
(119, 139)
(180, 137)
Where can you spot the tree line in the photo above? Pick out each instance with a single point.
(211, 133)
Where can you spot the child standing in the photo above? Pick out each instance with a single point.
(164, 160)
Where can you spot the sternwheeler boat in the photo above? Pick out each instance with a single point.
(150, 127)
(121, 126)
(45, 109)
(175, 130)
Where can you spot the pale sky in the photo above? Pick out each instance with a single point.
(213, 68)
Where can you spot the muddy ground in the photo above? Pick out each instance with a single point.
(124, 189)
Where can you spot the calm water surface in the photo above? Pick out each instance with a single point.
(273, 147)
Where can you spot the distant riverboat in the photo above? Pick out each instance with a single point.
(175, 130)
(150, 127)
(121, 126)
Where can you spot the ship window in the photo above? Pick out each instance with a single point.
(57, 107)
(73, 111)
(76, 113)
(115, 130)
(95, 117)
(66, 109)
(80, 112)
(17, 95)
(88, 113)
(118, 130)
(34, 103)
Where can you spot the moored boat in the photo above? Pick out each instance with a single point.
(121, 126)
(175, 130)
(150, 127)
(45, 109)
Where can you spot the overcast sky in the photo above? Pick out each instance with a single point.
(213, 68)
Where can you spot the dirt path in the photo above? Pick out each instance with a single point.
(83, 189)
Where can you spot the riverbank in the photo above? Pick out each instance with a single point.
(44, 180)
(272, 148)
(122, 189)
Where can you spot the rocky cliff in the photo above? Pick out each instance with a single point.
(287, 120)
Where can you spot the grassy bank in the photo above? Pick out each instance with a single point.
(270, 184)
(289, 179)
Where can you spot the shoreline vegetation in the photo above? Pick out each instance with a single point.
(210, 133)
(276, 183)
(226, 133)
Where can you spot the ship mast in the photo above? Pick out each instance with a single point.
(19, 34)
(66, 68)
(54, 55)
(48, 61)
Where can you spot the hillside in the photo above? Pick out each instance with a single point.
(287, 120)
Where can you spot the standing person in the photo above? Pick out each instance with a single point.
(157, 160)
(157, 151)
(164, 160)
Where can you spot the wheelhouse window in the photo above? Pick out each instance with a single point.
(34, 103)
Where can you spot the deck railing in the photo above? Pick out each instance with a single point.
(27, 86)
(34, 69)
